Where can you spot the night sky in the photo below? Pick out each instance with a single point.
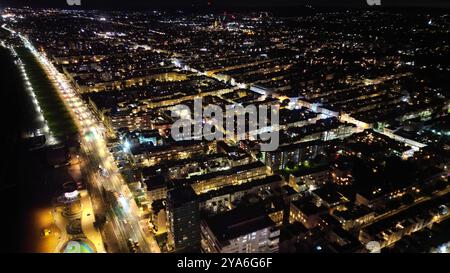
(110, 4)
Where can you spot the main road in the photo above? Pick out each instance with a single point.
(121, 210)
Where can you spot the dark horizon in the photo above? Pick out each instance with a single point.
(221, 4)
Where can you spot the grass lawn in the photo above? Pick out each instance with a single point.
(55, 112)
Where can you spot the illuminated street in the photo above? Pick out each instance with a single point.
(97, 154)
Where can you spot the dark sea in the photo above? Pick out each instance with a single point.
(24, 185)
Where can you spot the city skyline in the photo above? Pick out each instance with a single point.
(136, 4)
(170, 131)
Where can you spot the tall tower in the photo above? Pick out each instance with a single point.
(184, 219)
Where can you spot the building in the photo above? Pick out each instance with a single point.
(329, 196)
(184, 219)
(149, 155)
(242, 230)
(295, 153)
(341, 173)
(225, 198)
(312, 178)
(156, 188)
(291, 235)
(354, 217)
(216, 180)
(306, 213)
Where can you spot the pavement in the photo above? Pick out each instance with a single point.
(61, 222)
(87, 222)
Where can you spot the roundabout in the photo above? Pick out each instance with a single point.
(79, 245)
